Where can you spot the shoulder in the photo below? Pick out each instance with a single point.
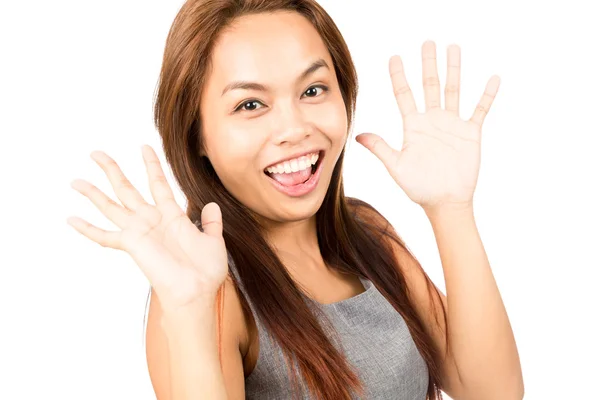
(367, 214)
(407, 263)
(429, 301)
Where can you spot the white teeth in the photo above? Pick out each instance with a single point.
(295, 165)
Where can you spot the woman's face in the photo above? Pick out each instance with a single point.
(289, 105)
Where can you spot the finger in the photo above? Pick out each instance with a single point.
(402, 92)
(431, 80)
(159, 187)
(212, 222)
(127, 194)
(452, 91)
(107, 206)
(100, 236)
(486, 101)
(376, 145)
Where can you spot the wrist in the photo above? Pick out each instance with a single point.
(184, 317)
(452, 210)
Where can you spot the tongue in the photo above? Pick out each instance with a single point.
(293, 178)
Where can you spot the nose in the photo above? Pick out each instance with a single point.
(292, 127)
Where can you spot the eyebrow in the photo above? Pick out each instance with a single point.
(258, 86)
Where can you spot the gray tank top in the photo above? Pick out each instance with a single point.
(375, 340)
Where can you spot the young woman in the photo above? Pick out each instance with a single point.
(273, 284)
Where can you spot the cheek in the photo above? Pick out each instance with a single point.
(235, 154)
(333, 121)
(239, 141)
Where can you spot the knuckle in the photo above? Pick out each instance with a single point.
(154, 162)
(431, 81)
(378, 144)
(482, 108)
(108, 204)
(396, 72)
(123, 183)
(111, 163)
(402, 90)
(91, 190)
(451, 88)
(159, 178)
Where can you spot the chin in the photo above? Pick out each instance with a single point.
(299, 210)
(295, 209)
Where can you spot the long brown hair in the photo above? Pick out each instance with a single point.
(348, 243)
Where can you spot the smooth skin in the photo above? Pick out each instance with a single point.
(184, 266)
(181, 263)
(437, 168)
(438, 164)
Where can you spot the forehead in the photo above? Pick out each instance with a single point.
(267, 47)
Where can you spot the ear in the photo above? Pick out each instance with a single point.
(202, 151)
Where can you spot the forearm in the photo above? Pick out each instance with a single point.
(193, 354)
(480, 335)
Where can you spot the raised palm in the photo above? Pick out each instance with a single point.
(183, 264)
(439, 162)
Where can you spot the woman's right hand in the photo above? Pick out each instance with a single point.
(184, 265)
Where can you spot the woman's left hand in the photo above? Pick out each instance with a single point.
(438, 164)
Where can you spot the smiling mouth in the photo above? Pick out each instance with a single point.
(313, 167)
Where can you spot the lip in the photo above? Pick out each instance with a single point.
(299, 154)
(303, 188)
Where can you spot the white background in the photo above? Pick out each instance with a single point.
(80, 76)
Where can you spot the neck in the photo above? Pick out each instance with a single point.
(296, 242)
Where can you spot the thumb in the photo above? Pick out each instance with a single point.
(212, 223)
(376, 145)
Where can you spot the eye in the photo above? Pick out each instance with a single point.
(313, 89)
(245, 103)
